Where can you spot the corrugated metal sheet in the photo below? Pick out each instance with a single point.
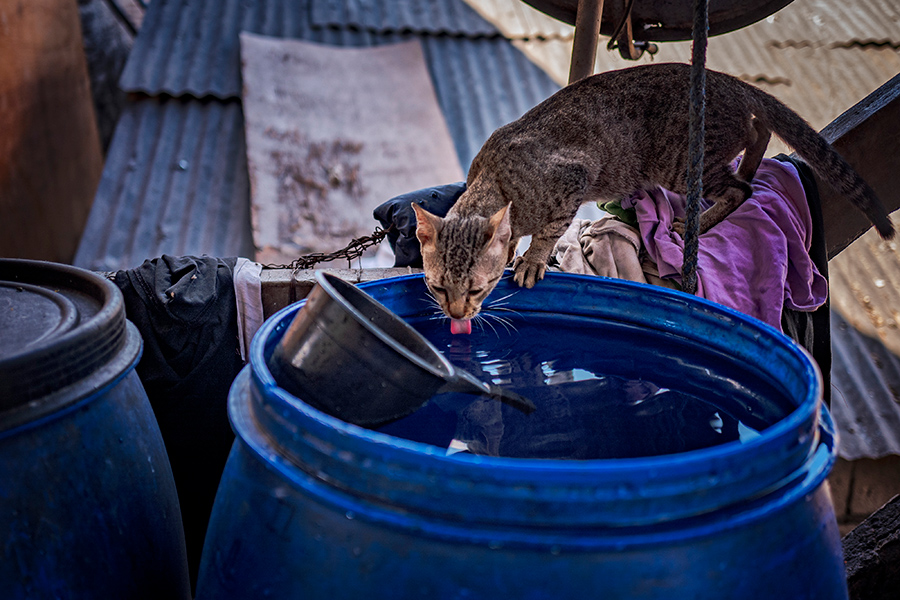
(193, 48)
(831, 23)
(190, 50)
(187, 47)
(519, 20)
(481, 83)
(175, 182)
(417, 16)
(865, 335)
(865, 382)
(802, 22)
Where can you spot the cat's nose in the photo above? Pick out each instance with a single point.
(457, 310)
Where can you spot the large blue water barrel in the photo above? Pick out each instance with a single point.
(88, 507)
(312, 507)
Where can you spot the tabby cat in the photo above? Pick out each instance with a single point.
(603, 138)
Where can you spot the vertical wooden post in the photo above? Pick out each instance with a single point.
(587, 33)
(50, 160)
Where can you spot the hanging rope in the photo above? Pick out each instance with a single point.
(697, 129)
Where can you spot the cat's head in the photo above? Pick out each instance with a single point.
(463, 257)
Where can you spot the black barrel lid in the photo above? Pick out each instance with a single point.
(59, 327)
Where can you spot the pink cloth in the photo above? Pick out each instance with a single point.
(757, 260)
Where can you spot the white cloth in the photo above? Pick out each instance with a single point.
(248, 294)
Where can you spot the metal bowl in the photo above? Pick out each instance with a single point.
(349, 356)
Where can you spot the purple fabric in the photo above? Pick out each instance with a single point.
(757, 260)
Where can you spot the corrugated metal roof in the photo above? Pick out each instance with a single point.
(418, 16)
(193, 46)
(519, 20)
(805, 22)
(802, 22)
(788, 54)
(190, 50)
(865, 382)
(175, 182)
(865, 296)
(187, 47)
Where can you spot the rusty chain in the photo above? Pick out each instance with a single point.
(355, 249)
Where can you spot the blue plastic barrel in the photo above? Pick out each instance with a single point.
(312, 507)
(88, 507)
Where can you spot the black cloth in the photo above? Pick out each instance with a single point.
(399, 213)
(812, 330)
(185, 310)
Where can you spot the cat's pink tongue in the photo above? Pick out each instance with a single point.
(460, 326)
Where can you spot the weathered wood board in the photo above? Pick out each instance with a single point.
(331, 134)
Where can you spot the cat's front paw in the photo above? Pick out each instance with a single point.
(678, 226)
(528, 273)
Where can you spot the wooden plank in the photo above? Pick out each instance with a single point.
(868, 137)
(872, 555)
(331, 134)
(50, 160)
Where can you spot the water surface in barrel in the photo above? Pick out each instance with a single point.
(602, 390)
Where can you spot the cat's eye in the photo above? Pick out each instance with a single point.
(438, 290)
(473, 293)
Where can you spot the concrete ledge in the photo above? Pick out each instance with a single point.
(281, 287)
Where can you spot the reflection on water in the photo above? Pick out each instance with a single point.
(601, 392)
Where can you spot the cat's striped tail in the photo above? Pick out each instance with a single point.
(819, 154)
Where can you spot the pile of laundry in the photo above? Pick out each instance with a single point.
(757, 261)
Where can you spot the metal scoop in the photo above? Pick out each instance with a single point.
(349, 356)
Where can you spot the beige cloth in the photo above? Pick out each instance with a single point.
(606, 247)
(248, 295)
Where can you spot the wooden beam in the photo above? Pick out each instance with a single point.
(872, 555)
(868, 137)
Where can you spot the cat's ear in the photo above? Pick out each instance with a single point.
(427, 225)
(499, 230)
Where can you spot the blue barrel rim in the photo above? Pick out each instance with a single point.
(58, 403)
(357, 441)
(562, 539)
(91, 349)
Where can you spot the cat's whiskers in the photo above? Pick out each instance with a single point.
(481, 320)
(499, 301)
(502, 309)
(432, 302)
(500, 304)
(506, 323)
